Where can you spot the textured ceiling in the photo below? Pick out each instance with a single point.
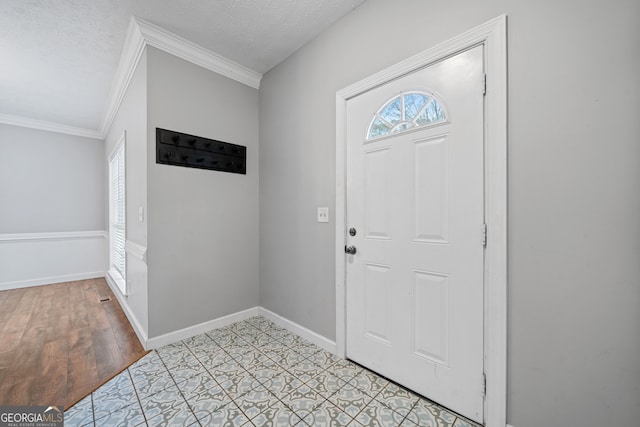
(59, 56)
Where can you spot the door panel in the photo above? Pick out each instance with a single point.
(376, 190)
(415, 284)
(431, 183)
(431, 317)
(377, 287)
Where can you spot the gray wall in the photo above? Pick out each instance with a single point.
(132, 118)
(203, 225)
(50, 182)
(574, 204)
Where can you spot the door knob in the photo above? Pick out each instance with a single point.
(351, 250)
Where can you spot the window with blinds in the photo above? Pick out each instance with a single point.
(117, 217)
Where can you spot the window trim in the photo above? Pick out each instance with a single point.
(118, 275)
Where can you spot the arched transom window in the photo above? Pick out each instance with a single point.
(406, 111)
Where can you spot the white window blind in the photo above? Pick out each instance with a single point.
(117, 217)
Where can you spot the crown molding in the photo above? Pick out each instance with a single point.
(189, 51)
(141, 34)
(134, 45)
(27, 122)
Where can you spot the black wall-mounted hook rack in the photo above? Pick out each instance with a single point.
(181, 149)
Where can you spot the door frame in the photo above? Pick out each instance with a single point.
(493, 35)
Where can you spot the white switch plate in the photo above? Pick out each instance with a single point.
(323, 214)
(141, 214)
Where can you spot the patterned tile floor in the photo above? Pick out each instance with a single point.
(253, 373)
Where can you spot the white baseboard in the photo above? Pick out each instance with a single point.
(133, 320)
(171, 337)
(4, 286)
(200, 328)
(305, 333)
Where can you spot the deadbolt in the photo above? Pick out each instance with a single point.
(352, 231)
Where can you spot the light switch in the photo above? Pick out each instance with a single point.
(323, 214)
(141, 214)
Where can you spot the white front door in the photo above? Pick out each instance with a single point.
(415, 203)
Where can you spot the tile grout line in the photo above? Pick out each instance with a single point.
(237, 334)
(232, 400)
(268, 391)
(137, 397)
(288, 354)
(205, 368)
(292, 374)
(93, 412)
(282, 367)
(176, 384)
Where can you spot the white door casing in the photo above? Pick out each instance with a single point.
(415, 197)
(492, 35)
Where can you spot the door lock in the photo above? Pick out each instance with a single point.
(351, 250)
(352, 231)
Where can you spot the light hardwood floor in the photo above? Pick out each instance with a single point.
(59, 342)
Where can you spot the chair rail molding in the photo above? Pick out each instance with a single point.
(64, 235)
(34, 259)
(136, 250)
